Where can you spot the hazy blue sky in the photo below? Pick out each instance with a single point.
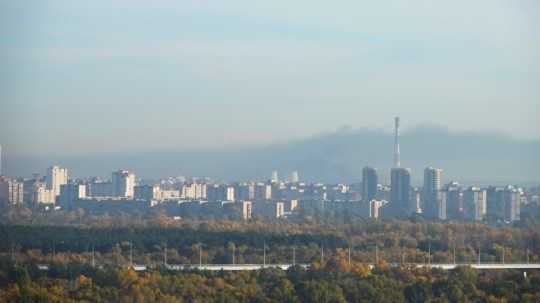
(86, 76)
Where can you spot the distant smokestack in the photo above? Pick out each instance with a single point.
(396, 143)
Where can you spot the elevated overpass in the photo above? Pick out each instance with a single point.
(480, 266)
(285, 266)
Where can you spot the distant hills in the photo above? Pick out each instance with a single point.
(468, 157)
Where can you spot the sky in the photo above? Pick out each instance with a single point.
(80, 77)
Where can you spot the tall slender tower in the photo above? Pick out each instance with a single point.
(400, 183)
(396, 143)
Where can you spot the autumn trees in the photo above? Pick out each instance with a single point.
(89, 263)
(20, 283)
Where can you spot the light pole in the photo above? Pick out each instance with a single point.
(165, 255)
(322, 253)
(429, 254)
(349, 254)
(479, 254)
(200, 255)
(93, 257)
(376, 254)
(233, 257)
(264, 254)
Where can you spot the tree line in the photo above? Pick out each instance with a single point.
(334, 280)
(395, 241)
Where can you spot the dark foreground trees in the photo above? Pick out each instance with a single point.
(323, 284)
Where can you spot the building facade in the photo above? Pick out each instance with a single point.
(475, 204)
(71, 193)
(11, 191)
(263, 191)
(123, 184)
(295, 178)
(503, 203)
(147, 192)
(56, 177)
(400, 193)
(454, 200)
(433, 199)
(370, 183)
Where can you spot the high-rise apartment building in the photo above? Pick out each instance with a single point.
(295, 177)
(229, 193)
(70, 193)
(275, 177)
(99, 188)
(503, 203)
(374, 208)
(245, 192)
(369, 183)
(400, 192)
(454, 200)
(11, 191)
(431, 192)
(441, 201)
(194, 191)
(220, 192)
(123, 183)
(56, 176)
(42, 195)
(432, 180)
(30, 185)
(512, 204)
(278, 190)
(246, 209)
(147, 192)
(263, 191)
(269, 209)
(474, 203)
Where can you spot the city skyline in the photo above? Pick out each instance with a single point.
(398, 200)
(474, 158)
(276, 197)
(273, 198)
